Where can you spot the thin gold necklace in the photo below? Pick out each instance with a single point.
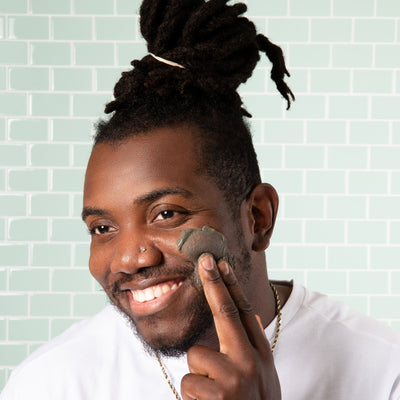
(278, 330)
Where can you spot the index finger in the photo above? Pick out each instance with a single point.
(234, 318)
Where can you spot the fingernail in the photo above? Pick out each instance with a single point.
(224, 266)
(207, 262)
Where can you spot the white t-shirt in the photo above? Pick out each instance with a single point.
(325, 352)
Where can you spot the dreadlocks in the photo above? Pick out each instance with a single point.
(218, 50)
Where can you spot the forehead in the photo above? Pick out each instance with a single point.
(162, 157)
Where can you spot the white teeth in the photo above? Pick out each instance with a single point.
(153, 292)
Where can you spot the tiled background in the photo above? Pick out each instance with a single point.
(334, 157)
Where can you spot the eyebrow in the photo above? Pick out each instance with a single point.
(144, 199)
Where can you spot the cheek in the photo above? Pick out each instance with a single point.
(98, 264)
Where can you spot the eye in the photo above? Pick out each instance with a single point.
(165, 215)
(100, 230)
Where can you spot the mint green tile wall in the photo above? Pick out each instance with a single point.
(334, 157)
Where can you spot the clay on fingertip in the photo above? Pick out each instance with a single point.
(195, 242)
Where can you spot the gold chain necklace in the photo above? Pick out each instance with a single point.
(278, 330)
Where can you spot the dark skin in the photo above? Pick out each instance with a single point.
(142, 194)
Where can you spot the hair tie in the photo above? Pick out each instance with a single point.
(163, 60)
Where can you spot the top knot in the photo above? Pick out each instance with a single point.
(218, 47)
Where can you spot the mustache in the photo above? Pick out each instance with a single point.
(153, 272)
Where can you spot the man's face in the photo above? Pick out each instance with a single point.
(138, 198)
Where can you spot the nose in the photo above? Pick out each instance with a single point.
(133, 252)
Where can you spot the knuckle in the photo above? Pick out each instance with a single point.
(229, 311)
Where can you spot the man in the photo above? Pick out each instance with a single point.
(177, 155)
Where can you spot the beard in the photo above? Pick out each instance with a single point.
(198, 313)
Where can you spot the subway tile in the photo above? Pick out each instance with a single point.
(115, 28)
(128, 6)
(94, 54)
(126, 52)
(347, 257)
(283, 131)
(13, 255)
(2, 179)
(308, 107)
(28, 130)
(304, 55)
(385, 306)
(259, 104)
(2, 129)
(347, 157)
(3, 330)
(93, 7)
(68, 230)
(385, 157)
(382, 207)
(385, 107)
(371, 182)
(49, 204)
(51, 255)
(14, 7)
(287, 231)
(328, 80)
(309, 8)
(304, 156)
(328, 282)
(13, 104)
(81, 255)
(77, 201)
(369, 132)
(374, 30)
(29, 280)
(2, 237)
(331, 29)
(50, 155)
(12, 204)
(12, 52)
(325, 182)
(81, 154)
(90, 105)
(348, 107)
(29, 329)
(72, 28)
(387, 8)
(12, 354)
(27, 229)
(50, 104)
(68, 180)
(59, 325)
(325, 231)
(366, 232)
(298, 81)
(269, 156)
(257, 83)
(72, 130)
(88, 304)
(106, 78)
(385, 257)
(288, 30)
(50, 7)
(266, 8)
(303, 206)
(368, 282)
(13, 304)
(346, 207)
(352, 55)
(395, 282)
(28, 180)
(330, 132)
(32, 28)
(50, 305)
(3, 79)
(358, 8)
(306, 257)
(29, 78)
(12, 155)
(72, 280)
(73, 79)
(395, 182)
(51, 53)
(387, 56)
(284, 181)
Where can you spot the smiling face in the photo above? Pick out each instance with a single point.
(138, 198)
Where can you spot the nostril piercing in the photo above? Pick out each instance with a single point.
(142, 249)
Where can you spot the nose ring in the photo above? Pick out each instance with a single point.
(142, 249)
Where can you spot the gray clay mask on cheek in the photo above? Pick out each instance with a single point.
(194, 242)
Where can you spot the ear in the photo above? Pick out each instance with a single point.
(262, 210)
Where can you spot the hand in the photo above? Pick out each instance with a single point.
(243, 368)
